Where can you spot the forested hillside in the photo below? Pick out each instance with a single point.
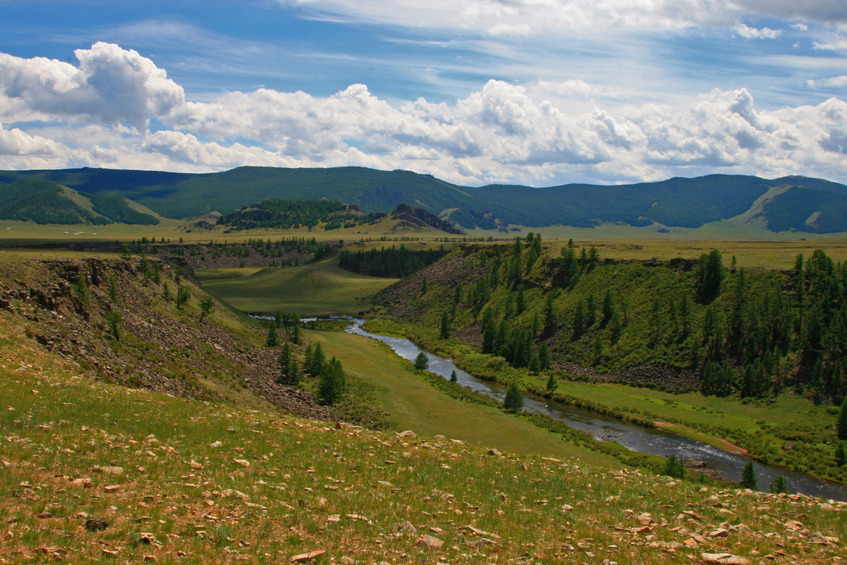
(44, 202)
(684, 325)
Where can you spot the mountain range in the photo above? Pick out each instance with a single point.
(87, 195)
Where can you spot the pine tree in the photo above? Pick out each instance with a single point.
(544, 357)
(841, 428)
(674, 467)
(182, 296)
(579, 320)
(332, 383)
(552, 384)
(778, 485)
(444, 333)
(272, 339)
(513, 402)
(608, 307)
(421, 362)
(207, 304)
(748, 477)
(840, 455)
(454, 378)
(317, 361)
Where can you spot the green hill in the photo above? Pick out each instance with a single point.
(800, 204)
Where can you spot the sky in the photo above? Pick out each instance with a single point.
(536, 92)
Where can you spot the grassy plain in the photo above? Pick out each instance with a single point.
(309, 289)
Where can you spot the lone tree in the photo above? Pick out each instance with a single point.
(115, 318)
(421, 362)
(778, 485)
(206, 307)
(454, 378)
(514, 398)
(332, 383)
(552, 384)
(674, 467)
(748, 477)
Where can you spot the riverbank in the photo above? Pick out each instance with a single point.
(717, 422)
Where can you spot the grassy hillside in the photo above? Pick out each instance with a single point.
(93, 471)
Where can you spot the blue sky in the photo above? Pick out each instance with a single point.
(537, 92)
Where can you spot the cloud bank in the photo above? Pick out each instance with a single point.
(532, 17)
(116, 108)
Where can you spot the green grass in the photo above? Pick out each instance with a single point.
(181, 480)
(308, 289)
(414, 404)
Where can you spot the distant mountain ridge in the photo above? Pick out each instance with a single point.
(786, 204)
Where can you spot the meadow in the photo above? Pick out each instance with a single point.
(98, 472)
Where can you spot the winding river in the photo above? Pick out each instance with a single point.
(631, 436)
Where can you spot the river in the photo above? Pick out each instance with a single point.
(632, 436)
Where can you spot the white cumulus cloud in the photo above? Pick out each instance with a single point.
(535, 133)
(111, 85)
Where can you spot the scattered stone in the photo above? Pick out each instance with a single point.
(108, 470)
(407, 433)
(793, 525)
(242, 462)
(430, 541)
(96, 524)
(726, 558)
(303, 557)
(406, 527)
(719, 533)
(494, 452)
(645, 518)
(111, 488)
(44, 515)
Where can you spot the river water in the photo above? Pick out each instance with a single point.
(632, 436)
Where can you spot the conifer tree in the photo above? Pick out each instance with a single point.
(513, 402)
(778, 485)
(454, 378)
(544, 357)
(674, 467)
(840, 454)
(332, 383)
(552, 384)
(421, 362)
(748, 477)
(273, 339)
(444, 332)
(317, 361)
(841, 428)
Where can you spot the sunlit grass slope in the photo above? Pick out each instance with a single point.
(414, 404)
(97, 473)
(308, 289)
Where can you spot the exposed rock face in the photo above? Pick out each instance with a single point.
(65, 307)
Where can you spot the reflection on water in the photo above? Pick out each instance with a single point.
(631, 436)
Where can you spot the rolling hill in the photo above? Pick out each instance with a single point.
(797, 204)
